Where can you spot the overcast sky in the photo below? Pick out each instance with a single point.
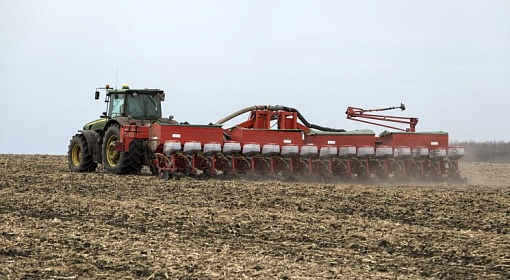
(448, 61)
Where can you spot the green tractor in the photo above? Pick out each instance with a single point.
(118, 139)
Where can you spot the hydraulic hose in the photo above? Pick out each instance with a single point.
(278, 108)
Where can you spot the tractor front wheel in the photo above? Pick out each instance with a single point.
(119, 162)
(78, 155)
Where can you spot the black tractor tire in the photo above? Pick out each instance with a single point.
(118, 162)
(78, 155)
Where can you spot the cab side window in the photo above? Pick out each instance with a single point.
(117, 105)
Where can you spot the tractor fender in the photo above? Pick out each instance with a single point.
(129, 121)
(92, 139)
(120, 120)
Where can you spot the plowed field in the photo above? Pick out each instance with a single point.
(55, 224)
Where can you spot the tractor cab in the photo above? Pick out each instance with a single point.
(140, 104)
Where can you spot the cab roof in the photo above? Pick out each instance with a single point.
(144, 90)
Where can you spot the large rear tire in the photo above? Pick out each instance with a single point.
(78, 155)
(119, 162)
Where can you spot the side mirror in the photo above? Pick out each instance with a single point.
(96, 96)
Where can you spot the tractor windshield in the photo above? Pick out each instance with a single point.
(143, 106)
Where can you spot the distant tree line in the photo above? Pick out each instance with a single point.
(491, 151)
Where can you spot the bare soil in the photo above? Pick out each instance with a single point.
(55, 224)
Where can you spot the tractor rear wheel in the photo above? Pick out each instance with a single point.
(119, 162)
(78, 155)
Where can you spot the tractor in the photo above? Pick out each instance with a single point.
(118, 139)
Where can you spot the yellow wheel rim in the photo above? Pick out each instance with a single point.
(76, 155)
(112, 154)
